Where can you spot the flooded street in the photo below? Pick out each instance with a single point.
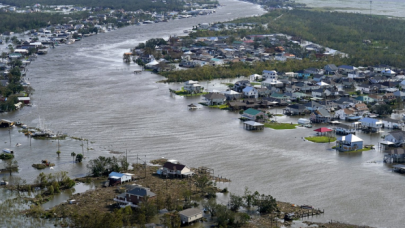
(87, 91)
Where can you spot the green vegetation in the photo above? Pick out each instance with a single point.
(280, 126)
(102, 166)
(79, 158)
(6, 156)
(19, 22)
(234, 70)
(321, 139)
(223, 107)
(185, 93)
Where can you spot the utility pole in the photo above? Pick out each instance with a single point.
(9, 133)
(82, 146)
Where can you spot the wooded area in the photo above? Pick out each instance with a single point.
(16, 22)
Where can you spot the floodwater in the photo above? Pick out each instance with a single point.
(380, 7)
(87, 91)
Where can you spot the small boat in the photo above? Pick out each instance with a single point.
(192, 106)
(8, 151)
(18, 144)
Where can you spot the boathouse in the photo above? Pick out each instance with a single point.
(252, 125)
(349, 143)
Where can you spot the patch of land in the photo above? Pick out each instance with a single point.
(321, 139)
(280, 126)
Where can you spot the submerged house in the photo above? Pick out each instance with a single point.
(254, 114)
(349, 143)
(371, 125)
(214, 99)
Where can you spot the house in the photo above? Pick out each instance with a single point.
(396, 155)
(320, 116)
(344, 113)
(361, 108)
(214, 99)
(349, 143)
(250, 92)
(119, 178)
(174, 169)
(313, 71)
(295, 109)
(192, 86)
(392, 123)
(400, 95)
(254, 114)
(240, 85)
(231, 95)
(345, 69)
(330, 69)
(380, 68)
(272, 74)
(190, 215)
(343, 129)
(375, 98)
(255, 77)
(134, 196)
(370, 124)
(395, 137)
(365, 99)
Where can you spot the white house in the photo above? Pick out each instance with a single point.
(349, 143)
(392, 123)
(371, 124)
(255, 77)
(170, 168)
(192, 86)
(190, 215)
(270, 74)
(388, 72)
(119, 178)
(250, 92)
(344, 113)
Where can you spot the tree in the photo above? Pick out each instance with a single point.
(79, 158)
(11, 165)
(266, 204)
(73, 154)
(58, 152)
(236, 202)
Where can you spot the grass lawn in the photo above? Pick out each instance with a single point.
(280, 126)
(224, 106)
(186, 94)
(355, 151)
(255, 83)
(320, 139)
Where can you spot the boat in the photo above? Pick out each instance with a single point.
(18, 144)
(8, 151)
(308, 125)
(303, 121)
(192, 106)
(353, 118)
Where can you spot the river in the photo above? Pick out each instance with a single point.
(87, 91)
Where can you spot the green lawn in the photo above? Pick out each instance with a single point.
(224, 106)
(186, 94)
(280, 126)
(355, 151)
(320, 139)
(255, 83)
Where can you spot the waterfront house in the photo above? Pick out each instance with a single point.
(134, 196)
(344, 113)
(320, 115)
(343, 129)
(395, 137)
(119, 178)
(396, 155)
(345, 69)
(174, 169)
(349, 143)
(240, 85)
(231, 95)
(214, 99)
(192, 86)
(370, 124)
(250, 92)
(190, 215)
(392, 123)
(295, 109)
(254, 114)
